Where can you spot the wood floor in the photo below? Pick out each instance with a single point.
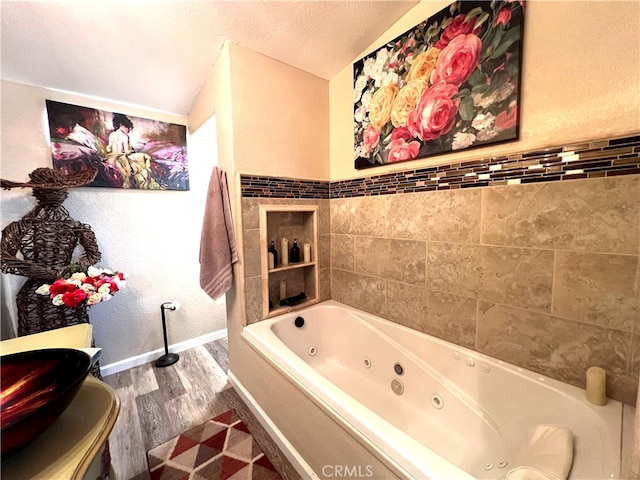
(158, 404)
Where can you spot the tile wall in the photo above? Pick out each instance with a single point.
(544, 275)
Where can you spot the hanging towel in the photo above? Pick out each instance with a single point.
(635, 452)
(217, 243)
(548, 455)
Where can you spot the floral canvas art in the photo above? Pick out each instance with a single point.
(450, 83)
(127, 151)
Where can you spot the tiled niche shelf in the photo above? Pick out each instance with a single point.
(593, 159)
(301, 222)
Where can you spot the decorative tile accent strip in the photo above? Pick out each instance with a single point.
(274, 187)
(598, 158)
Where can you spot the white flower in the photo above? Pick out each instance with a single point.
(480, 100)
(119, 283)
(368, 65)
(483, 121)
(78, 276)
(361, 112)
(94, 298)
(43, 289)
(462, 140)
(382, 56)
(57, 300)
(77, 283)
(94, 271)
(366, 98)
(104, 288)
(86, 288)
(390, 78)
(106, 296)
(487, 134)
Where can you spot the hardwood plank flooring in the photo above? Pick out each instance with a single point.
(158, 404)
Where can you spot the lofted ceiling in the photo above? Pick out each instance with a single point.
(158, 53)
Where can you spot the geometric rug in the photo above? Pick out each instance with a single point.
(220, 449)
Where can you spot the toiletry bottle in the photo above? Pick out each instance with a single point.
(273, 250)
(295, 252)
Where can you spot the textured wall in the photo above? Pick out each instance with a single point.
(154, 236)
(545, 276)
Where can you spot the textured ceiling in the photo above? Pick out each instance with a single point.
(157, 53)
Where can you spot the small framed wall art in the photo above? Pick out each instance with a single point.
(450, 83)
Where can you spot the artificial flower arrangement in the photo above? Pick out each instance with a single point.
(80, 288)
(450, 83)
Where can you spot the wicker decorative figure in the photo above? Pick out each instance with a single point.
(46, 238)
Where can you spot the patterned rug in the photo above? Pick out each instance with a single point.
(220, 449)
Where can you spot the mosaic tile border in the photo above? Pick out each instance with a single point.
(598, 158)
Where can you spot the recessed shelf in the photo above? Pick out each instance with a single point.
(291, 266)
(292, 222)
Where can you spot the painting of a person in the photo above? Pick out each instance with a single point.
(135, 167)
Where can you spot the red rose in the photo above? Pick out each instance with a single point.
(507, 119)
(401, 132)
(60, 287)
(113, 287)
(457, 27)
(74, 298)
(401, 150)
(436, 112)
(504, 16)
(458, 60)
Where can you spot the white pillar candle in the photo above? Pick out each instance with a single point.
(596, 385)
(307, 253)
(283, 289)
(271, 260)
(284, 248)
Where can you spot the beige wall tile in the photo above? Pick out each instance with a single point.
(442, 315)
(342, 251)
(451, 317)
(598, 215)
(447, 215)
(322, 253)
(325, 284)
(253, 292)
(250, 216)
(359, 215)
(596, 288)
(359, 291)
(514, 276)
(251, 240)
(562, 349)
(399, 260)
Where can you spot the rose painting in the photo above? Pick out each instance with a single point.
(450, 83)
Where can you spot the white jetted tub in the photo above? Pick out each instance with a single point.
(438, 410)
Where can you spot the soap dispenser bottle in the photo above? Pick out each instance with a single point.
(273, 250)
(295, 252)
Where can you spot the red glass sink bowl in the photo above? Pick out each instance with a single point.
(37, 386)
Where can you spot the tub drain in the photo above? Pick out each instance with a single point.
(366, 361)
(436, 401)
(312, 351)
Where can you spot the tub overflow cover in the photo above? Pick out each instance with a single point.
(299, 322)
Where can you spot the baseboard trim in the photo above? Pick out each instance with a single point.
(296, 460)
(119, 366)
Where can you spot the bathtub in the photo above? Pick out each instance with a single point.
(434, 409)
